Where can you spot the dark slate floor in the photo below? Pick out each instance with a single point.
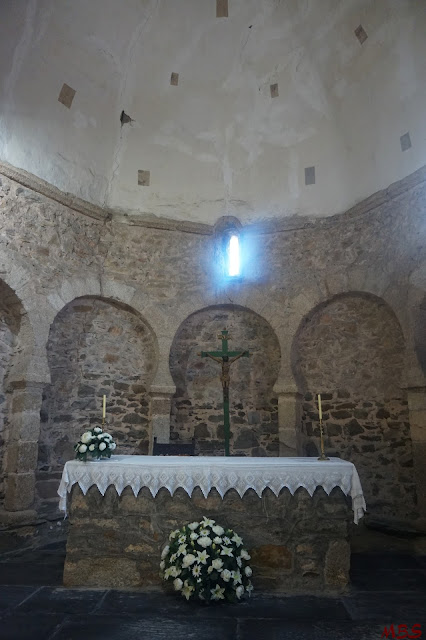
(386, 589)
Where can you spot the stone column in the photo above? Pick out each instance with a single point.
(22, 449)
(289, 419)
(161, 400)
(416, 397)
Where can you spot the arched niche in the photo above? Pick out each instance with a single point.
(197, 404)
(96, 346)
(351, 350)
(11, 313)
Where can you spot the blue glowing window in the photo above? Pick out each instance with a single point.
(234, 256)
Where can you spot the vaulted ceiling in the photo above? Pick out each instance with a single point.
(283, 107)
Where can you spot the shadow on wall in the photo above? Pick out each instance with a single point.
(11, 312)
(197, 408)
(420, 334)
(351, 350)
(95, 347)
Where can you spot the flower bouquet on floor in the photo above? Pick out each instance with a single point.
(95, 443)
(207, 562)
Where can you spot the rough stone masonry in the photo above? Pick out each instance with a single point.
(143, 284)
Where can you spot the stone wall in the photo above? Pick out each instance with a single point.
(55, 249)
(351, 351)
(297, 543)
(197, 407)
(10, 312)
(95, 347)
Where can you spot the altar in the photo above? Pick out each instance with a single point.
(293, 514)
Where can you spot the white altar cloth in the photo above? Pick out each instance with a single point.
(207, 473)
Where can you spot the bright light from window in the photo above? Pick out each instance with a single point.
(234, 256)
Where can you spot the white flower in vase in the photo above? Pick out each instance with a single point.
(217, 593)
(217, 564)
(237, 577)
(207, 523)
(196, 571)
(239, 591)
(238, 541)
(178, 584)
(218, 530)
(91, 447)
(202, 556)
(188, 560)
(97, 430)
(113, 445)
(226, 575)
(165, 551)
(248, 571)
(102, 446)
(86, 437)
(227, 551)
(82, 448)
(204, 542)
(193, 526)
(187, 590)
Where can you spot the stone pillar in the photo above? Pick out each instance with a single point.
(289, 419)
(22, 446)
(161, 400)
(416, 397)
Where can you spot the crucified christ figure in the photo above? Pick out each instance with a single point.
(226, 362)
(225, 358)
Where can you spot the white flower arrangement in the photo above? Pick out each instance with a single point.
(96, 443)
(201, 565)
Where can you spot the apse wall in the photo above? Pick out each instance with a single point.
(56, 259)
(96, 347)
(351, 351)
(197, 406)
(10, 321)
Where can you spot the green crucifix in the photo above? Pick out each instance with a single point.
(225, 358)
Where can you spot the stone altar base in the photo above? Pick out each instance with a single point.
(297, 543)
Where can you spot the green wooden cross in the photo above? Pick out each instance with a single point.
(225, 358)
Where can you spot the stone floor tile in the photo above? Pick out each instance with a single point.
(294, 608)
(60, 600)
(288, 608)
(31, 573)
(389, 580)
(11, 596)
(280, 630)
(387, 606)
(145, 628)
(29, 627)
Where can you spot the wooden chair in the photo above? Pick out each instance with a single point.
(174, 449)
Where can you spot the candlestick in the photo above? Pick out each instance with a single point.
(319, 407)
(103, 408)
(322, 456)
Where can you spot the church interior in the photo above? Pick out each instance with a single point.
(170, 170)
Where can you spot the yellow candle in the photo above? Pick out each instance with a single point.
(319, 407)
(103, 406)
